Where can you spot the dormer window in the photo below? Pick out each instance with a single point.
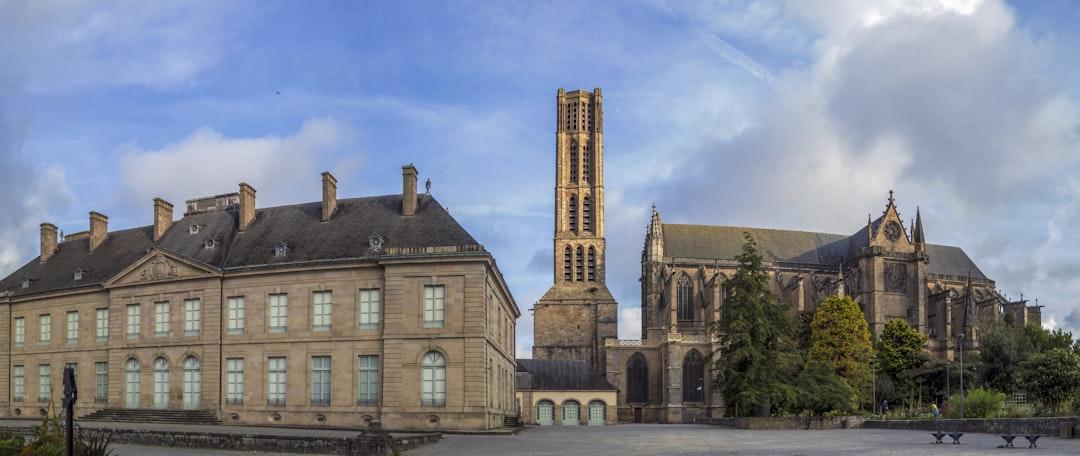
(78, 275)
(281, 249)
(194, 228)
(26, 283)
(375, 242)
(210, 243)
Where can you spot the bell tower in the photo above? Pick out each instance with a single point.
(578, 313)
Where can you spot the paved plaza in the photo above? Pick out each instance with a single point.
(667, 439)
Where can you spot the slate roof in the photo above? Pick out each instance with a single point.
(559, 375)
(343, 238)
(825, 249)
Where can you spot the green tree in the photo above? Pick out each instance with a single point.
(1040, 340)
(839, 335)
(822, 390)
(900, 348)
(1000, 350)
(757, 360)
(1052, 377)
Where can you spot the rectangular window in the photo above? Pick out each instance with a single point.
(234, 381)
(192, 317)
(235, 316)
(161, 318)
(278, 312)
(101, 382)
(276, 374)
(45, 322)
(368, 381)
(44, 383)
(369, 309)
(18, 383)
(320, 380)
(320, 311)
(72, 327)
(102, 327)
(74, 368)
(434, 304)
(20, 331)
(133, 317)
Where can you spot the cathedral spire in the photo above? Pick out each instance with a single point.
(969, 303)
(654, 238)
(917, 236)
(840, 281)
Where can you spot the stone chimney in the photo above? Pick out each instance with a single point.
(48, 241)
(329, 195)
(247, 206)
(408, 190)
(162, 217)
(99, 229)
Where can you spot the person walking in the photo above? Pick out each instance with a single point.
(884, 408)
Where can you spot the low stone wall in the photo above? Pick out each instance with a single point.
(250, 442)
(1064, 427)
(790, 422)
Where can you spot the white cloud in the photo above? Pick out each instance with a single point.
(207, 163)
(630, 323)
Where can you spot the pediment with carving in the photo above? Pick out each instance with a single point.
(158, 267)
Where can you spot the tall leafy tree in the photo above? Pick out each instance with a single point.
(1001, 352)
(839, 335)
(822, 390)
(1052, 377)
(900, 348)
(757, 360)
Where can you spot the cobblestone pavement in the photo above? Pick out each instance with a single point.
(667, 439)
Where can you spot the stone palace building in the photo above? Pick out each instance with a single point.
(328, 313)
(887, 266)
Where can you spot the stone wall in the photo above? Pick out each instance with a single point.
(1065, 427)
(791, 423)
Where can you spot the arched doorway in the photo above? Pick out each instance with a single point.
(161, 383)
(597, 413)
(545, 413)
(192, 383)
(571, 413)
(131, 383)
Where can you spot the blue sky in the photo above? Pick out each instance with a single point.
(798, 115)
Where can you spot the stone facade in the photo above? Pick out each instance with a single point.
(574, 318)
(156, 319)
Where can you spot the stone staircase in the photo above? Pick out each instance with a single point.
(154, 416)
(511, 421)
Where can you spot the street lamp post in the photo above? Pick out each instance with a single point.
(960, 337)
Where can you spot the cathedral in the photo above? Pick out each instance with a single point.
(887, 266)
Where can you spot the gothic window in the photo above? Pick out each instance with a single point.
(637, 379)
(579, 265)
(588, 163)
(592, 264)
(684, 291)
(586, 213)
(567, 258)
(573, 161)
(693, 377)
(573, 213)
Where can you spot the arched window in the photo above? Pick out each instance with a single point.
(586, 213)
(571, 413)
(588, 162)
(568, 258)
(161, 383)
(131, 383)
(192, 383)
(637, 379)
(693, 375)
(573, 161)
(592, 264)
(579, 265)
(684, 291)
(597, 413)
(545, 413)
(433, 378)
(572, 213)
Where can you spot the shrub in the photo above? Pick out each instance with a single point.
(978, 403)
(11, 446)
(1020, 411)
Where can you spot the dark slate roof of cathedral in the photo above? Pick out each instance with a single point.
(559, 375)
(824, 249)
(343, 238)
